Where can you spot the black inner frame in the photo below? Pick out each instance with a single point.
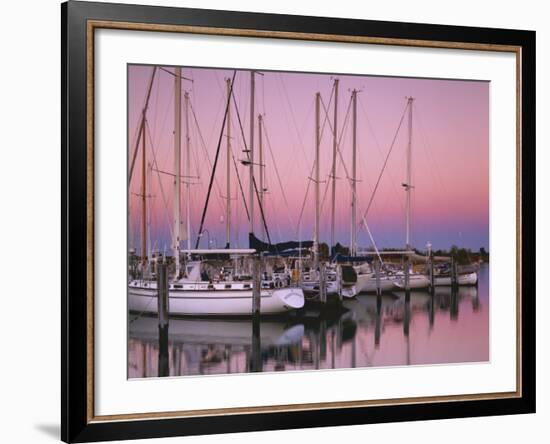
(74, 423)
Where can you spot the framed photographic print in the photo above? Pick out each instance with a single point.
(275, 221)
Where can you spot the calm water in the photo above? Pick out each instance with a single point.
(450, 327)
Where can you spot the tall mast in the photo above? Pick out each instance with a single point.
(187, 174)
(149, 182)
(142, 123)
(353, 243)
(261, 166)
(228, 170)
(143, 199)
(177, 168)
(251, 148)
(408, 185)
(333, 173)
(317, 169)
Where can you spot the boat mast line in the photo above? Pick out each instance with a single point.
(240, 184)
(229, 153)
(187, 172)
(293, 116)
(364, 220)
(427, 148)
(143, 202)
(199, 234)
(261, 165)
(385, 161)
(344, 128)
(335, 145)
(313, 166)
(251, 154)
(182, 176)
(277, 172)
(177, 167)
(353, 239)
(160, 181)
(232, 156)
(408, 186)
(203, 143)
(247, 151)
(379, 148)
(317, 225)
(142, 123)
(176, 75)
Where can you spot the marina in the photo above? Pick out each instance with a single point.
(446, 327)
(302, 290)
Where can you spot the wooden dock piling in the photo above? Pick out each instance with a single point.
(453, 312)
(315, 350)
(377, 274)
(431, 310)
(163, 309)
(431, 272)
(378, 323)
(322, 334)
(322, 284)
(354, 352)
(454, 273)
(257, 363)
(256, 287)
(164, 366)
(407, 278)
(339, 277)
(407, 317)
(163, 300)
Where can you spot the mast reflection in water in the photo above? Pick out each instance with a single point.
(448, 327)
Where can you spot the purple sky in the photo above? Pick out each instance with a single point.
(450, 156)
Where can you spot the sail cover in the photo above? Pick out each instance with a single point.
(361, 259)
(260, 246)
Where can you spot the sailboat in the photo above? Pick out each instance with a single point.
(366, 280)
(334, 284)
(463, 279)
(416, 280)
(197, 289)
(409, 278)
(312, 279)
(466, 275)
(365, 277)
(200, 293)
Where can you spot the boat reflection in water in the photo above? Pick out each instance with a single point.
(448, 326)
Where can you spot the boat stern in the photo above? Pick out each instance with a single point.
(349, 292)
(291, 297)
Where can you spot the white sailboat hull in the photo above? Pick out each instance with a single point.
(313, 287)
(416, 281)
(332, 289)
(218, 302)
(463, 279)
(349, 292)
(334, 286)
(366, 283)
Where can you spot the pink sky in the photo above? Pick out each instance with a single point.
(450, 155)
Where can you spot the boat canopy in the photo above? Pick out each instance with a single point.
(290, 253)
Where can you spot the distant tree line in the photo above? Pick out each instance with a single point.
(464, 255)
